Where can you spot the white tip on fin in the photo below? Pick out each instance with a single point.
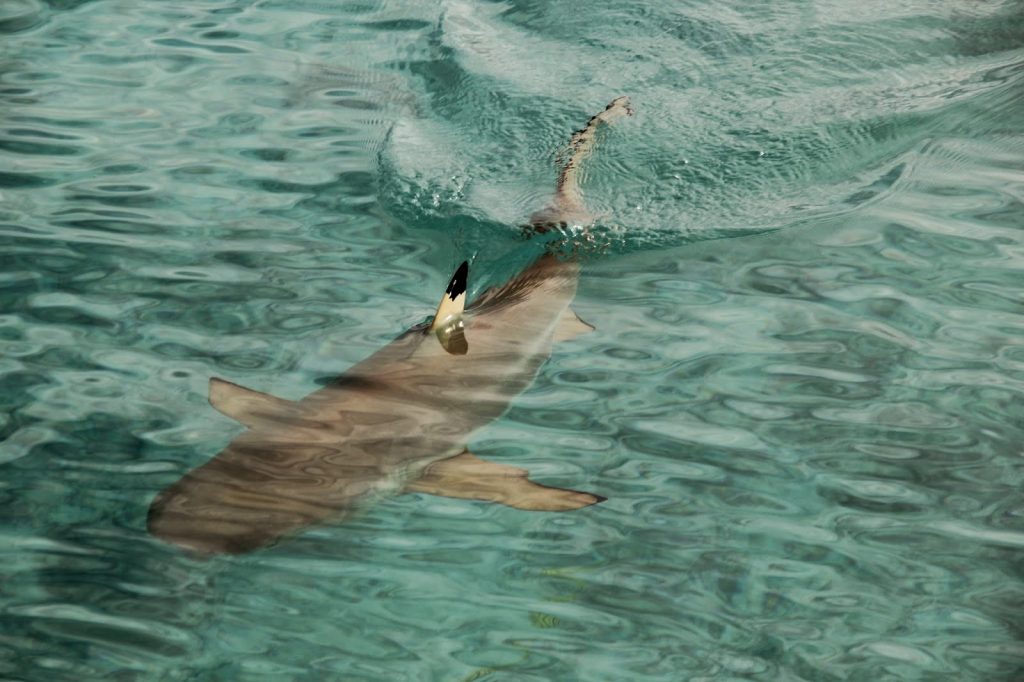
(246, 405)
(448, 324)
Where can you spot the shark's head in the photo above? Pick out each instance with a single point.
(229, 507)
(204, 537)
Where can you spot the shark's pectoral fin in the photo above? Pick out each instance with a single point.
(468, 477)
(448, 323)
(570, 326)
(244, 404)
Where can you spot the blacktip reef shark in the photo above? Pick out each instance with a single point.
(399, 420)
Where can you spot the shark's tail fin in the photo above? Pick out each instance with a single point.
(567, 190)
(568, 199)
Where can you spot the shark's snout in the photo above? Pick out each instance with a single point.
(169, 521)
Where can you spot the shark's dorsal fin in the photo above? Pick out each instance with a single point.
(244, 404)
(448, 323)
(466, 476)
(570, 326)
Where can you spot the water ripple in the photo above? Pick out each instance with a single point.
(809, 439)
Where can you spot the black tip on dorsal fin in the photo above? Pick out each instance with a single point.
(457, 286)
(448, 324)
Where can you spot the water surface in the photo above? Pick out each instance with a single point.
(804, 397)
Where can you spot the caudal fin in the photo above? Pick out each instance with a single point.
(567, 204)
(567, 190)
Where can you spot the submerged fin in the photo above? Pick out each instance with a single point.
(570, 326)
(448, 323)
(244, 404)
(453, 338)
(466, 476)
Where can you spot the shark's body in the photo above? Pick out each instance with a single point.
(397, 421)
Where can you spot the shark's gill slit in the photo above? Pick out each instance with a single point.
(399, 420)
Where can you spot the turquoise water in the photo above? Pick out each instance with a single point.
(804, 398)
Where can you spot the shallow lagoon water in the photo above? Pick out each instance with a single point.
(804, 398)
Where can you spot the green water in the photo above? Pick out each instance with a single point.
(804, 398)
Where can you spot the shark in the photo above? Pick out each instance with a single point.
(399, 420)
